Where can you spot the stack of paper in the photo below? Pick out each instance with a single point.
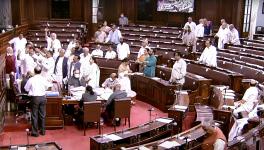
(113, 137)
(169, 144)
(163, 120)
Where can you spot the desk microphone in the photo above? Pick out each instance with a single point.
(27, 131)
(150, 110)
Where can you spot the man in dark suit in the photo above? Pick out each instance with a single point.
(61, 67)
(117, 94)
(75, 65)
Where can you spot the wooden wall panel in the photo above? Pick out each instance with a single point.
(76, 10)
(41, 10)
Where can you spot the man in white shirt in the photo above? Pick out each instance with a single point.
(71, 45)
(249, 100)
(97, 52)
(222, 35)
(191, 24)
(19, 44)
(53, 44)
(29, 60)
(123, 50)
(36, 87)
(19, 48)
(47, 65)
(233, 36)
(85, 56)
(114, 36)
(208, 56)
(178, 71)
(199, 32)
(246, 108)
(92, 77)
(143, 47)
(110, 54)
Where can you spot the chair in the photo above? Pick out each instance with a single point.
(122, 109)
(91, 113)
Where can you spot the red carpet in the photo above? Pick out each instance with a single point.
(70, 137)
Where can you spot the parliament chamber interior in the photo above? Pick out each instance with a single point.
(132, 74)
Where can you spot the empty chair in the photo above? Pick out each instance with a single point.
(122, 109)
(91, 113)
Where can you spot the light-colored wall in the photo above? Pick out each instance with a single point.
(5, 13)
(260, 16)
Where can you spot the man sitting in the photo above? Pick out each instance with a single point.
(208, 56)
(75, 80)
(117, 94)
(111, 81)
(215, 140)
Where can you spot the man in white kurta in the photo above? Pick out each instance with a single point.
(191, 24)
(249, 100)
(178, 71)
(53, 44)
(208, 56)
(29, 60)
(48, 65)
(97, 52)
(19, 44)
(199, 31)
(222, 35)
(85, 56)
(110, 54)
(233, 36)
(123, 50)
(92, 77)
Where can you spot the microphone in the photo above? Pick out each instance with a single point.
(150, 110)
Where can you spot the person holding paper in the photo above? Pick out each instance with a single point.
(111, 81)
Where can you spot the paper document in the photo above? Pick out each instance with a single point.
(113, 137)
(22, 148)
(164, 120)
(169, 144)
(180, 107)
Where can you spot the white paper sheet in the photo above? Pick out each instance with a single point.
(169, 144)
(180, 107)
(164, 120)
(113, 137)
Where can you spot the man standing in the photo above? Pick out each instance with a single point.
(123, 50)
(53, 44)
(178, 71)
(199, 32)
(75, 65)
(150, 64)
(233, 36)
(123, 20)
(208, 56)
(191, 24)
(47, 65)
(222, 35)
(189, 38)
(61, 67)
(36, 88)
(19, 43)
(114, 36)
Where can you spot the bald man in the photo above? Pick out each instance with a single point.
(111, 81)
(53, 44)
(233, 36)
(222, 35)
(191, 24)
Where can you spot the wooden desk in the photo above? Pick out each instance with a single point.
(178, 115)
(158, 93)
(40, 146)
(195, 137)
(2, 92)
(132, 136)
(54, 117)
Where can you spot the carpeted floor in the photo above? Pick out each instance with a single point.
(70, 137)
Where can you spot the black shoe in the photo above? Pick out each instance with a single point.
(42, 133)
(34, 135)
